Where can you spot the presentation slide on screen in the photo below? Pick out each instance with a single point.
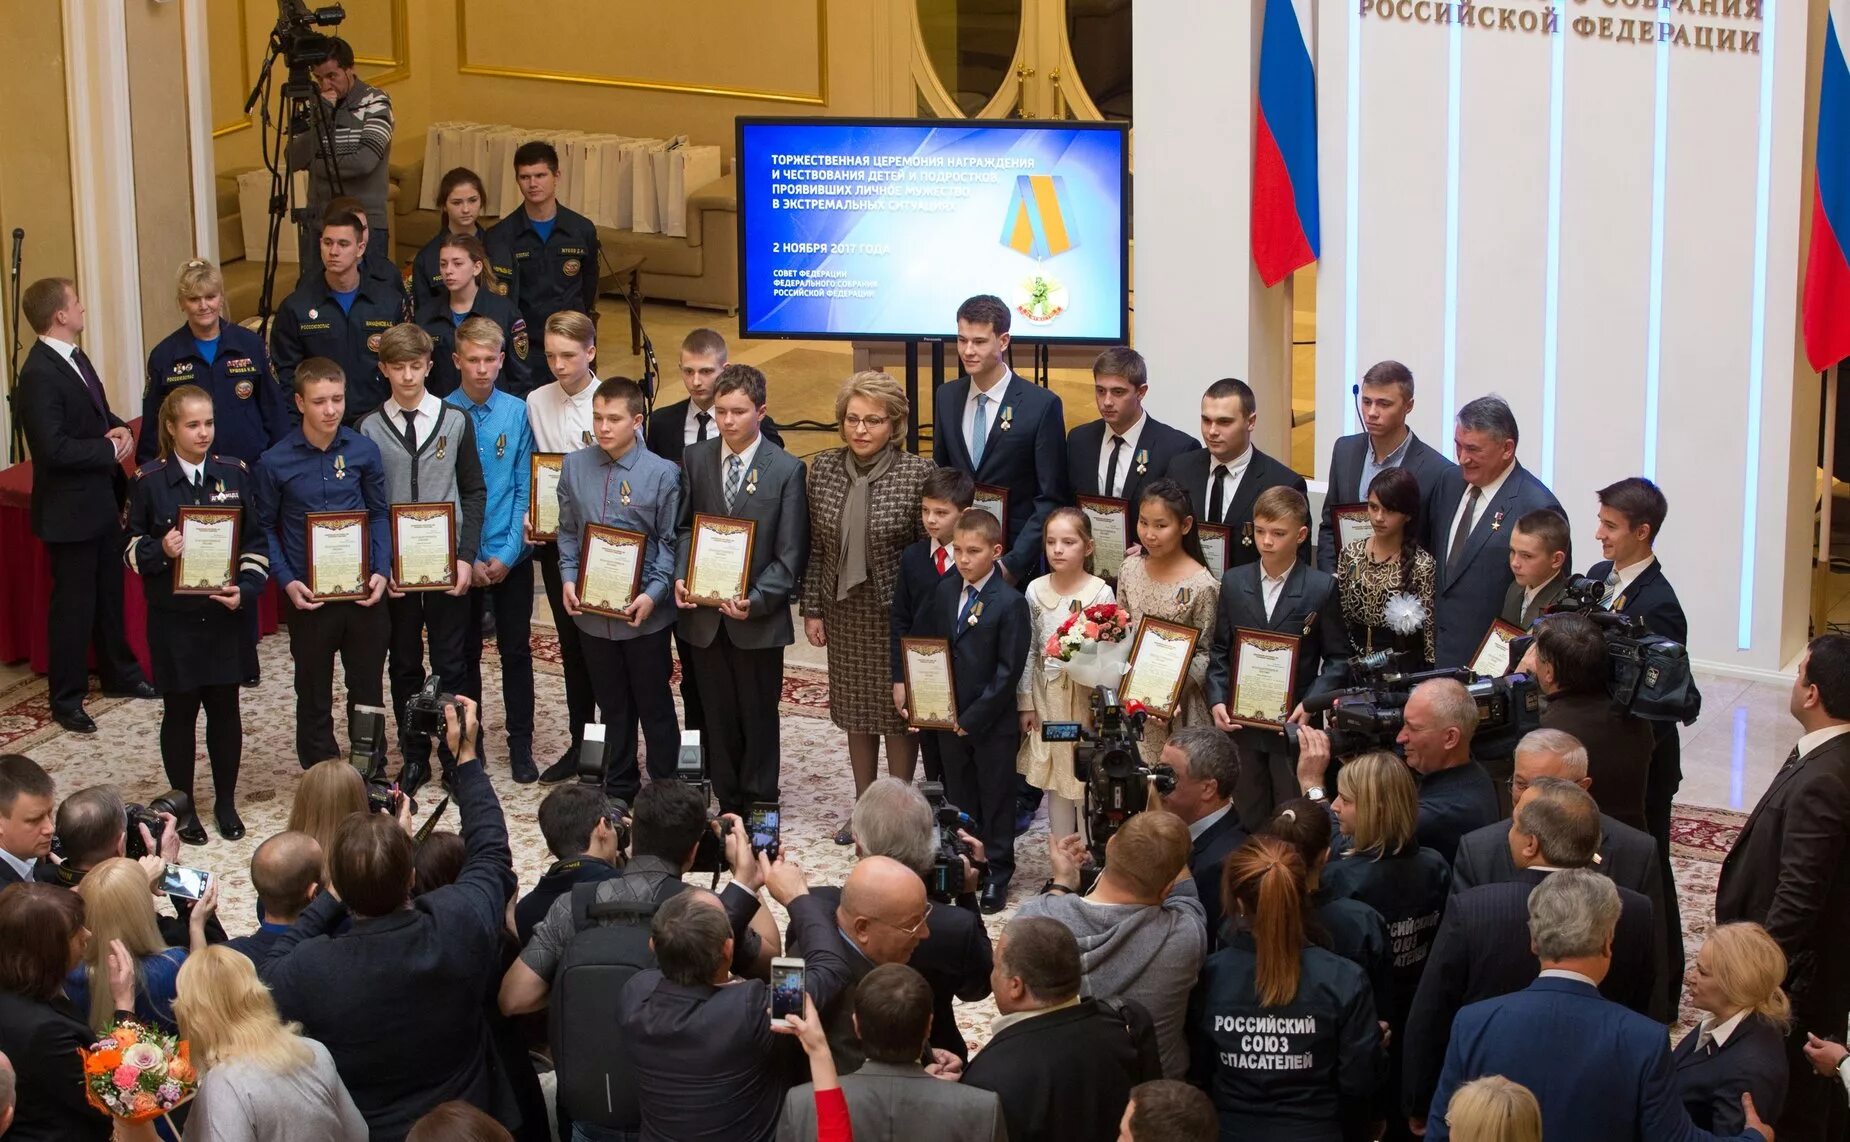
(880, 229)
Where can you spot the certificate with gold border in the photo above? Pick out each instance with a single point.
(337, 551)
(1110, 520)
(543, 493)
(1492, 659)
(609, 569)
(931, 696)
(424, 546)
(1265, 672)
(719, 558)
(1160, 654)
(1214, 540)
(995, 501)
(208, 562)
(1351, 523)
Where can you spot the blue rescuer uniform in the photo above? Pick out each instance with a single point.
(311, 322)
(555, 263)
(518, 347)
(426, 283)
(250, 408)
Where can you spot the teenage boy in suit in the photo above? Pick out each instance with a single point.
(944, 496)
(986, 622)
(1226, 479)
(1124, 450)
(1384, 399)
(737, 648)
(1279, 592)
(1540, 551)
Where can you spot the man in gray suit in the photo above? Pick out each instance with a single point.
(1474, 513)
(892, 1095)
(738, 645)
(1383, 400)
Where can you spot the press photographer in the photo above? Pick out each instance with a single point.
(1118, 783)
(345, 145)
(94, 825)
(1572, 667)
(587, 833)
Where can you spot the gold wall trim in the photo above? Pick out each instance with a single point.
(242, 122)
(399, 66)
(819, 98)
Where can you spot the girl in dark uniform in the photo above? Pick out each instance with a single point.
(468, 285)
(460, 203)
(194, 639)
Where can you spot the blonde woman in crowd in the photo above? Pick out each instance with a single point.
(1740, 1045)
(1494, 1109)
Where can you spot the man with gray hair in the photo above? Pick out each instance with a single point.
(1480, 951)
(1456, 794)
(1475, 508)
(1601, 1073)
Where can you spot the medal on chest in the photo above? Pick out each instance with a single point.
(1143, 461)
(623, 493)
(1496, 522)
(976, 612)
(751, 482)
(442, 443)
(1246, 534)
(1007, 419)
(501, 446)
(340, 467)
(585, 436)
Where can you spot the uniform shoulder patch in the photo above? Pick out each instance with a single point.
(232, 461)
(150, 468)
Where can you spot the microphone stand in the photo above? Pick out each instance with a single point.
(17, 445)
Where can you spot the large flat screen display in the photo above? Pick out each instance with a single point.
(877, 229)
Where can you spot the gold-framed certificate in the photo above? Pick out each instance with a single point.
(931, 697)
(543, 493)
(1214, 540)
(1110, 520)
(1265, 672)
(609, 569)
(1492, 659)
(1351, 523)
(1160, 654)
(995, 501)
(338, 546)
(424, 546)
(208, 563)
(719, 558)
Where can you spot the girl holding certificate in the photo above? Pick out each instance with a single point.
(1386, 582)
(1169, 580)
(201, 559)
(1046, 694)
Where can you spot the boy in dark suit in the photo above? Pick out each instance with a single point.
(1279, 593)
(1119, 454)
(1383, 400)
(944, 496)
(987, 625)
(1540, 551)
(737, 649)
(1226, 479)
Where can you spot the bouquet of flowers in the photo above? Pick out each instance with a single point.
(1093, 644)
(138, 1073)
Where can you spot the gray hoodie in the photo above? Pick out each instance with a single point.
(1148, 953)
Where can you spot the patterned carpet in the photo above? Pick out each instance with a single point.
(817, 786)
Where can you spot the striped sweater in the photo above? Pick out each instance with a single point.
(362, 123)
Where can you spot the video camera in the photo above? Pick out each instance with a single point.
(1107, 759)
(173, 801)
(1370, 716)
(295, 39)
(1650, 674)
(946, 879)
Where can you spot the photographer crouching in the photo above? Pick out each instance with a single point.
(95, 824)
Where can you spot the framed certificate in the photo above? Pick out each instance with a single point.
(1214, 540)
(208, 563)
(1265, 671)
(995, 501)
(719, 558)
(337, 555)
(543, 493)
(1110, 520)
(1492, 659)
(1160, 654)
(424, 546)
(931, 698)
(1351, 523)
(609, 569)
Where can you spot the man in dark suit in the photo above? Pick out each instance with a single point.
(1789, 871)
(1383, 399)
(78, 489)
(1064, 1066)
(1122, 452)
(385, 989)
(1225, 479)
(1004, 431)
(1207, 766)
(1600, 1072)
(1469, 533)
(1277, 592)
(1482, 949)
(737, 647)
(26, 821)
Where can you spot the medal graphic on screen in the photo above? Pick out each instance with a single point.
(1036, 225)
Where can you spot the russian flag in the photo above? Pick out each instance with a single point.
(1827, 270)
(1285, 218)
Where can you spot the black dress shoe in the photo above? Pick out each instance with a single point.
(190, 830)
(138, 690)
(563, 770)
(994, 898)
(76, 721)
(230, 825)
(254, 681)
(520, 763)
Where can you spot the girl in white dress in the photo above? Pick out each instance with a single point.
(1046, 694)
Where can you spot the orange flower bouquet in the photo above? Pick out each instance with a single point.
(138, 1073)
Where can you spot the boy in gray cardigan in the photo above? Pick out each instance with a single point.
(428, 448)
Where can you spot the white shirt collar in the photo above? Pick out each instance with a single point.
(429, 409)
(979, 585)
(190, 471)
(1563, 973)
(1720, 1031)
(1236, 467)
(1489, 493)
(1130, 435)
(1529, 593)
(1629, 575)
(62, 348)
(1003, 1022)
(1816, 738)
(1277, 580)
(22, 867)
(997, 392)
(745, 457)
(1196, 828)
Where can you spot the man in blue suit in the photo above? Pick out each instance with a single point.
(1383, 401)
(1601, 1073)
(1469, 533)
(1126, 449)
(1006, 432)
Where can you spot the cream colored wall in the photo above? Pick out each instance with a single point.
(35, 152)
(163, 183)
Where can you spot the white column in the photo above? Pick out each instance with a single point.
(198, 81)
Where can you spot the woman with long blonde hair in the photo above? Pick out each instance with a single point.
(1494, 1109)
(1740, 1045)
(329, 793)
(119, 907)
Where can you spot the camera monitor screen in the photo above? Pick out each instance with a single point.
(878, 229)
(761, 824)
(786, 988)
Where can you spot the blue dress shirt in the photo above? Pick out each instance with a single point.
(504, 440)
(295, 478)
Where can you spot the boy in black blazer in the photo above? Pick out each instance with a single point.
(1279, 592)
(944, 496)
(986, 622)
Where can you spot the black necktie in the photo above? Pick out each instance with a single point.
(199, 482)
(1792, 759)
(411, 430)
(701, 433)
(1217, 490)
(1111, 466)
(1464, 530)
(91, 381)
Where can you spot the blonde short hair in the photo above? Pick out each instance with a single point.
(879, 388)
(199, 278)
(480, 331)
(1494, 1109)
(573, 324)
(1749, 966)
(228, 1016)
(1386, 803)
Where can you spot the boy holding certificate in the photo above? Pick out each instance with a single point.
(986, 623)
(1283, 595)
(735, 646)
(619, 508)
(428, 450)
(944, 496)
